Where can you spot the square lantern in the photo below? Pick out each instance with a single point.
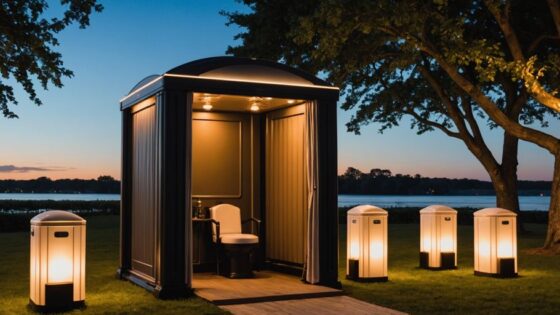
(495, 243)
(57, 261)
(367, 244)
(438, 237)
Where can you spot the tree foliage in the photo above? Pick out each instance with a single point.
(441, 62)
(27, 45)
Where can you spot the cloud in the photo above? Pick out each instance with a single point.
(27, 169)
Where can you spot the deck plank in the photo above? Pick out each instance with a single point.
(266, 286)
(325, 306)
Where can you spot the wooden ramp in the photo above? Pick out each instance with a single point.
(267, 286)
(337, 305)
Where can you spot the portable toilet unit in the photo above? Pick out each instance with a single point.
(367, 244)
(57, 261)
(495, 242)
(438, 237)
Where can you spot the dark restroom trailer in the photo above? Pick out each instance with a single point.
(252, 133)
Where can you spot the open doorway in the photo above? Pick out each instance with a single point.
(250, 152)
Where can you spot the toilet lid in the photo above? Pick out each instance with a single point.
(239, 239)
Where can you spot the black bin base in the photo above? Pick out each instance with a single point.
(447, 261)
(354, 273)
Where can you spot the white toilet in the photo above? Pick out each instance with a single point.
(237, 247)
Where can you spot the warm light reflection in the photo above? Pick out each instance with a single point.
(60, 269)
(354, 250)
(505, 249)
(446, 244)
(426, 244)
(483, 248)
(376, 250)
(207, 106)
(255, 107)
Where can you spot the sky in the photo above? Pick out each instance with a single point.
(76, 133)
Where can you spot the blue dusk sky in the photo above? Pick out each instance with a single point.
(76, 133)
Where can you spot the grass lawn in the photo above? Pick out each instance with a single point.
(418, 291)
(413, 290)
(104, 293)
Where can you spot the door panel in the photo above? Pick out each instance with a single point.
(286, 215)
(144, 190)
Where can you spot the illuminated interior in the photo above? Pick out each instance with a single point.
(252, 144)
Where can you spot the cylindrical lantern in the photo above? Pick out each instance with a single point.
(367, 244)
(495, 242)
(438, 237)
(57, 261)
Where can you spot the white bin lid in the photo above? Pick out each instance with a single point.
(57, 217)
(366, 210)
(494, 212)
(438, 209)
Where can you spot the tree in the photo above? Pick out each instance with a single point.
(446, 64)
(27, 40)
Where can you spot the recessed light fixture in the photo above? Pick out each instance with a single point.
(268, 98)
(255, 107)
(291, 101)
(207, 106)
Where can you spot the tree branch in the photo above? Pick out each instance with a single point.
(540, 138)
(433, 124)
(533, 85)
(555, 11)
(535, 44)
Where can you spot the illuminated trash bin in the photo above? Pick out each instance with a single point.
(57, 261)
(438, 237)
(495, 243)
(367, 244)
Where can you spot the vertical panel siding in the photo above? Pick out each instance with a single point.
(144, 189)
(286, 217)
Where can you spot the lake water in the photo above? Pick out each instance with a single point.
(384, 201)
(478, 202)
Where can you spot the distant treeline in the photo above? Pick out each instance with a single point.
(101, 185)
(383, 182)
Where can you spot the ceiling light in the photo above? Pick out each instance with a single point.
(255, 107)
(291, 101)
(207, 106)
(268, 98)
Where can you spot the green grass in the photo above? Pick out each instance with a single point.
(104, 293)
(413, 290)
(418, 291)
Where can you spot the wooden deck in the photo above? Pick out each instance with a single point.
(265, 287)
(325, 306)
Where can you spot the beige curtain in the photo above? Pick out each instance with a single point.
(311, 268)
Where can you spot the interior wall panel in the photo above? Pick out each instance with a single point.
(144, 190)
(286, 217)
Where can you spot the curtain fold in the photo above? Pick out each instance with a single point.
(311, 268)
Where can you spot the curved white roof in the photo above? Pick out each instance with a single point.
(494, 212)
(438, 209)
(366, 210)
(57, 217)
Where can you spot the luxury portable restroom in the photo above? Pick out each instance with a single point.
(255, 134)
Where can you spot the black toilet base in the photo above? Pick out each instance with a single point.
(238, 261)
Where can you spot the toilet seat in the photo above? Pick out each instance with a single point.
(239, 239)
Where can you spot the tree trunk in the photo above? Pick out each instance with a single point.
(552, 243)
(509, 198)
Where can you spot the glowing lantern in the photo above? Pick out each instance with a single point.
(495, 243)
(57, 260)
(367, 244)
(438, 237)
